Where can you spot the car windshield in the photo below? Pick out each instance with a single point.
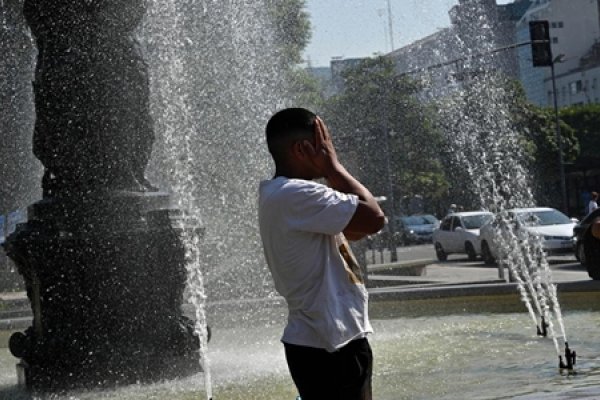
(476, 221)
(542, 218)
(419, 220)
(430, 219)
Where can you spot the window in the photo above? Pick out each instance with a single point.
(476, 221)
(555, 40)
(554, 25)
(576, 87)
(594, 83)
(446, 224)
(561, 24)
(456, 223)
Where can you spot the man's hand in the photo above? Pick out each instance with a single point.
(368, 217)
(322, 154)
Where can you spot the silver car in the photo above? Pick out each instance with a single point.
(459, 233)
(554, 228)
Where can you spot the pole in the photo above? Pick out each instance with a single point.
(561, 163)
(392, 219)
(390, 184)
(390, 24)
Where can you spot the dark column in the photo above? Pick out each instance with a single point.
(102, 259)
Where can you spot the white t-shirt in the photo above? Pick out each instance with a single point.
(592, 206)
(300, 225)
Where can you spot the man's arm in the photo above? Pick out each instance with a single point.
(368, 217)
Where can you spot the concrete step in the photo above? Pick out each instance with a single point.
(15, 313)
(14, 324)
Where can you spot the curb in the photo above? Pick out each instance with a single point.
(494, 288)
(400, 265)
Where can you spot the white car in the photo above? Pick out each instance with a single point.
(459, 233)
(553, 227)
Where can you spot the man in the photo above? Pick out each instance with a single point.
(593, 204)
(303, 225)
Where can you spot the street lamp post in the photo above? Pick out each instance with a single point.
(561, 163)
(390, 183)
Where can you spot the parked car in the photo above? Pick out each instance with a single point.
(553, 227)
(459, 233)
(416, 228)
(581, 244)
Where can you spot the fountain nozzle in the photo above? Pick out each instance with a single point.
(543, 331)
(570, 357)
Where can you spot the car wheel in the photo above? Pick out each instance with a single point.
(487, 254)
(580, 253)
(440, 253)
(470, 250)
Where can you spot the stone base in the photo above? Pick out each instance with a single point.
(105, 276)
(133, 371)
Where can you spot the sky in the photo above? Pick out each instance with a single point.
(359, 28)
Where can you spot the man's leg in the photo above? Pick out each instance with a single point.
(311, 370)
(320, 375)
(356, 367)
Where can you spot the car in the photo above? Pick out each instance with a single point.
(581, 244)
(459, 233)
(416, 228)
(552, 226)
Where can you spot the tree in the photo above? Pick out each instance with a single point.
(499, 147)
(292, 32)
(291, 24)
(538, 127)
(585, 122)
(386, 134)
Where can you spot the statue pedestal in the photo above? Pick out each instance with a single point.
(105, 276)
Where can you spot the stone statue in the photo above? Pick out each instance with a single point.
(93, 128)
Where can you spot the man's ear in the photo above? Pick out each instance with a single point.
(298, 151)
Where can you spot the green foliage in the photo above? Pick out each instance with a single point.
(292, 27)
(538, 126)
(585, 122)
(292, 32)
(379, 122)
(305, 90)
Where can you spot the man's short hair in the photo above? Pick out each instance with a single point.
(286, 127)
(594, 195)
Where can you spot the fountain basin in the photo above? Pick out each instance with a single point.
(476, 347)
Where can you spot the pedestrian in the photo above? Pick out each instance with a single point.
(593, 204)
(452, 209)
(303, 226)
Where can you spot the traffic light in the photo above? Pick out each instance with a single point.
(539, 32)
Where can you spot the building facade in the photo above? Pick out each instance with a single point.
(574, 35)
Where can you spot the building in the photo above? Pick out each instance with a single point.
(452, 54)
(574, 35)
(338, 67)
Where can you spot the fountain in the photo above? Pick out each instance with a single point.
(453, 348)
(101, 238)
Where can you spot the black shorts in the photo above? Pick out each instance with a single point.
(344, 374)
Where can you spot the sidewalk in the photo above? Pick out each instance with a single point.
(431, 279)
(454, 272)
